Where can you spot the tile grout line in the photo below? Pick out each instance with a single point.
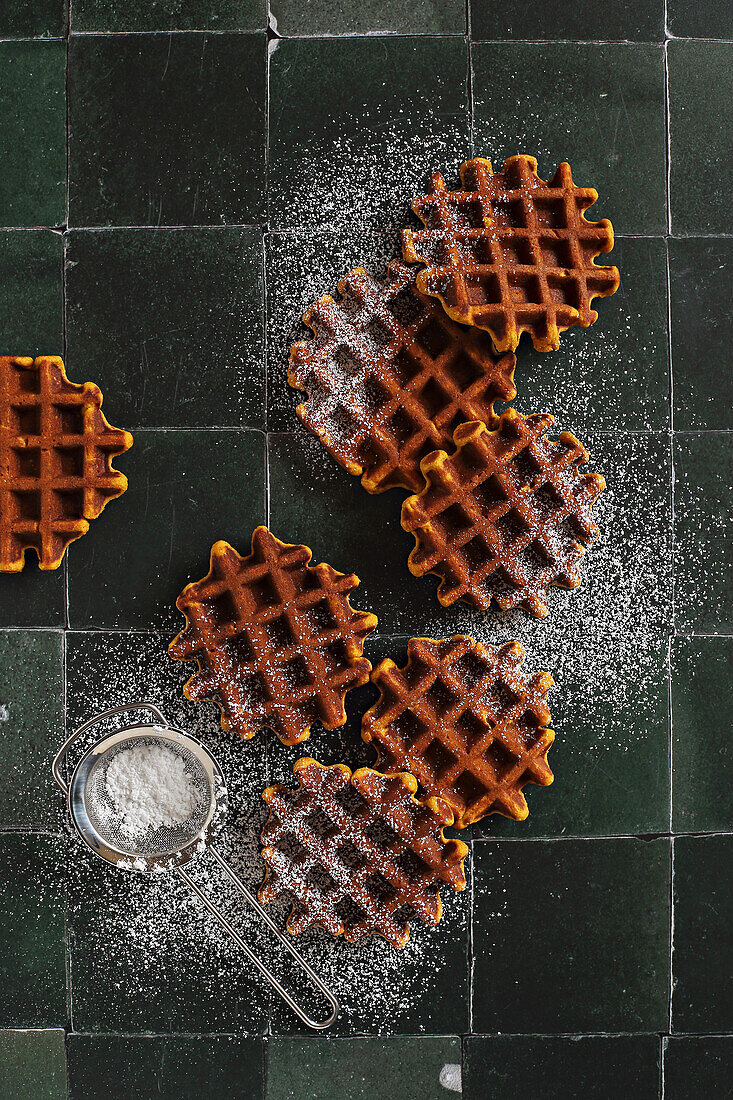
(254, 31)
(294, 231)
(668, 156)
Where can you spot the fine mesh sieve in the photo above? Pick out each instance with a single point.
(166, 839)
(167, 848)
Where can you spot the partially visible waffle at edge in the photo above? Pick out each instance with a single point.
(511, 253)
(56, 451)
(276, 639)
(506, 516)
(390, 376)
(466, 722)
(358, 853)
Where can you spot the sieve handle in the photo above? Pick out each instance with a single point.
(60, 755)
(255, 905)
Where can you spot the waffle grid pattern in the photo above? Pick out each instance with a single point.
(56, 451)
(358, 853)
(276, 640)
(511, 253)
(466, 722)
(505, 517)
(390, 377)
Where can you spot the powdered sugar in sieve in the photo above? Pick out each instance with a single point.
(147, 795)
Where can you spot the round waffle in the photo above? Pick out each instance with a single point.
(358, 854)
(276, 639)
(506, 516)
(56, 451)
(511, 253)
(466, 722)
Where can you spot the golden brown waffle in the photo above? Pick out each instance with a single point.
(466, 721)
(511, 253)
(506, 516)
(390, 376)
(56, 451)
(358, 853)
(276, 639)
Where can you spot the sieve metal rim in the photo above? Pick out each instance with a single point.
(120, 857)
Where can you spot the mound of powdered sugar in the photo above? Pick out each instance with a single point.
(149, 787)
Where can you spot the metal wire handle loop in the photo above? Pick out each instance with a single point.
(267, 974)
(255, 905)
(57, 760)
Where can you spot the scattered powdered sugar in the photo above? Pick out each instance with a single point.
(149, 787)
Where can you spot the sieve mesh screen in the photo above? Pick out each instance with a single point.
(163, 840)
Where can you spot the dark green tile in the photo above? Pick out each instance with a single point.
(33, 598)
(614, 374)
(299, 269)
(31, 301)
(144, 954)
(706, 19)
(186, 490)
(32, 1065)
(169, 15)
(32, 874)
(702, 998)
(703, 480)
(702, 719)
(700, 134)
(167, 129)
(360, 1069)
(599, 107)
(346, 148)
(702, 332)
(301, 17)
(136, 315)
(571, 936)
(32, 133)
(31, 712)
(32, 18)
(545, 1067)
(586, 20)
(697, 1067)
(168, 1067)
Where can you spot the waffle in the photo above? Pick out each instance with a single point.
(358, 853)
(511, 253)
(466, 721)
(506, 516)
(56, 451)
(276, 639)
(390, 376)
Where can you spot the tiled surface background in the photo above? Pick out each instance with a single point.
(177, 186)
